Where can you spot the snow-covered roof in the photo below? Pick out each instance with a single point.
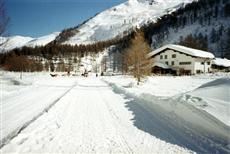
(221, 62)
(162, 65)
(186, 50)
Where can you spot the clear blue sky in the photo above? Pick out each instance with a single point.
(40, 17)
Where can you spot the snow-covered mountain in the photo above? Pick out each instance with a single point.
(12, 42)
(111, 23)
(118, 20)
(41, 41)
(206, 23)
(9, 43)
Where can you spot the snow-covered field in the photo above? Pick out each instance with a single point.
(209, 92)
(22, 100)
(110, 115)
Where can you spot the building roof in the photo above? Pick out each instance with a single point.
(162, 65)
(221, 62)
(185, 50)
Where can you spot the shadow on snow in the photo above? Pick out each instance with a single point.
(203, 134)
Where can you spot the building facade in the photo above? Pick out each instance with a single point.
(180, 60)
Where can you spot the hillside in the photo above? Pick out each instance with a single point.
(12, 42)
(119, 20)
(200, 24)
(115, 22)
(204, 25)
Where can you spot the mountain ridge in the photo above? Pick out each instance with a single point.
(109, 24)
(18, 41)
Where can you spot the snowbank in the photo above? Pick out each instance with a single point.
(213, 97)
(164, 86)
(178, 121)
(209, 93)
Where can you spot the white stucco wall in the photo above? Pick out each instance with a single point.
(205, 67)
(180, 57)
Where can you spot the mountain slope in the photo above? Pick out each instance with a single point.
(202, 25)
(114, 22)
(41, 41)
(118, 20)
(10, 43)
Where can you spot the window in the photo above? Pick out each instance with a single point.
(161, 57)
(172, 63)
(202, 63)
(185, 63)
(174, 56)
(166, 56)
(166, 63)
(209, 63)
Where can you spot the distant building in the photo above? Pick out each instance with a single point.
(220, 64)
(180, 60)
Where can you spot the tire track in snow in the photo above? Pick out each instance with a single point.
(92, 120)
(136, 140)
(15, 133)
(115, 122)
(115, 119)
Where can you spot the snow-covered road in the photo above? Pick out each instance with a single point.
(93, 117)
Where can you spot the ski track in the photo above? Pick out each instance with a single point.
(90, 118)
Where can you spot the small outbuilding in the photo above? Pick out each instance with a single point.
(180, 60)
(221, 64)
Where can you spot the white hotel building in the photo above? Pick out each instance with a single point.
(180, 60)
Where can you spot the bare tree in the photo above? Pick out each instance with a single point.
(136, 57)
(4, 19)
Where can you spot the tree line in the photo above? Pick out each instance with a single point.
(133, 47)
(53, 50)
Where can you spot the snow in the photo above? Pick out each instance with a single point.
(22, 100)
(162, 65)
(12, 42)
(169, 100)
(175, 35)
(213, 97)
(206, 92)
(42, 41)
(111, 114)
(222, 62)
(163, 86)
(124, 17)
(186, 50)
(90, 118)
(106, 25)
